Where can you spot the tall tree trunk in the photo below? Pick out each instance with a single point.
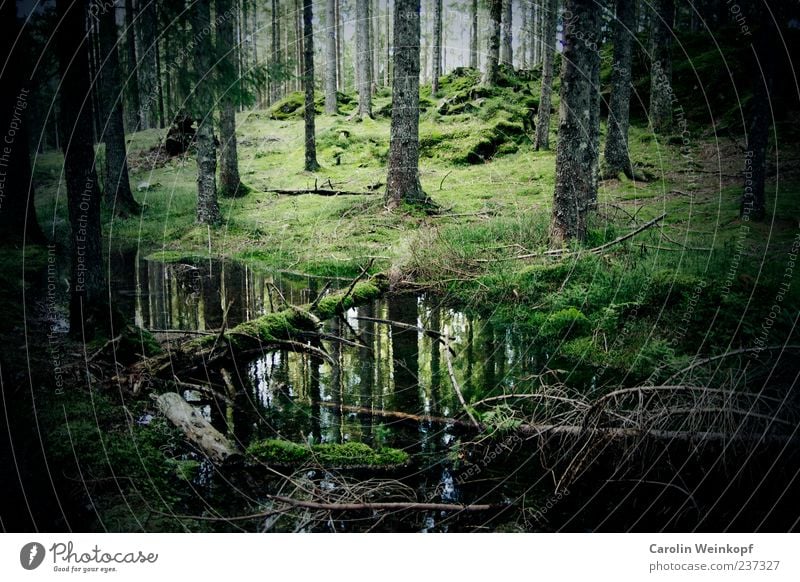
(493, 54)
(331, 107)
(593, 151)
(548, 12)
(573, 176)
(276, 77)
(362, 59)
(132, 79)
(88, 306)
(524, 37)
(473, 34)
(533, 33)
(437, 46)
(311, 164)
(763, 74)
(616, 153)
(229, 180)
(18, 222)
(387, 68)
(203, 99)
(117, 183)
(402, 182)
(661, 94)
(507, 50)
(148, 68)
(340, 80)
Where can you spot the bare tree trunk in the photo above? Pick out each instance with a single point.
(763, 74)
(616, 153)
(340, 81)
(207, 208)
(661, 93)
(535, 14)
(507, 50)
(523, 49)
(331, 107)
(117, 184)
(88, 307)
(362, 59)
(493, 56)
(148, 67)
(573, 176)
(473, 34)
(386, 70)
(275, 82)
(548, 12)
(437, 46)
(229, 180)
(18, 222)
(311, 164)
(132, 79)
(402, 182)
(593, 151)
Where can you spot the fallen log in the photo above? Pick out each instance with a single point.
(385, 506)
(212, 443)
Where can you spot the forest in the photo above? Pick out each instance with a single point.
(399, 265)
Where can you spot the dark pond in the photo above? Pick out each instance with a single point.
(382, 369)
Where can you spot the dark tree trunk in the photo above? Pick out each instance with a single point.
(616, 153)
(493, 54)
(132, 78)
(573, 175)
(88, 307)
(473, 34)
(275, 83)
(362, 59)
(507, 51)
(386, 70)
(593, 151)
(18, 222)
(229, 180)
(148, 67)
(118, 193)
(203, 99)
(402, 182)
(437, 46)
(548, 12)
(763, 73)
(661, 94)
(331, 107)
(311, 164)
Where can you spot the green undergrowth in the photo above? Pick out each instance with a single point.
(351, 454)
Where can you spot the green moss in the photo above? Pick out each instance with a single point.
(352, 454)
(335, 304)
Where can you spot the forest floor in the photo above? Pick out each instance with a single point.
(699, 282)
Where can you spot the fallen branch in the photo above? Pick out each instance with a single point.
(384, 506)
(449, 360)
(212, 443)
(437, 335)
(318, 191)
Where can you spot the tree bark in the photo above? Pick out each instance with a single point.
(473, 34)
(523, 49)
(362, 59)
(340, 80)
(402, 182)
(311, 164)
(617, 158)
(533, 33)
(507, 50)
(437, 46)
(203, 98)
(118, 193)
(763, 73)
(229, 181)
(147, 66)
(88, 307)
(132, 78)
(493, 53)
(18, 222)
(548, 12)
(661, 94)
(331, 107)
(275, 80)
(593, 151)
(573, 176)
